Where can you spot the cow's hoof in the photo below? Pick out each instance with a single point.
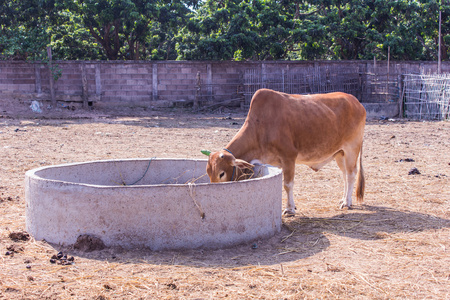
(345, 206)
(289, 212)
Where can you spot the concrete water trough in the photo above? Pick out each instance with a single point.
(154, 203)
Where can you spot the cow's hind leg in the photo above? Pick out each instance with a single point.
(347, 162)
(288, 174)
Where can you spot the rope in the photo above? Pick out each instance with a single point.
(234, 168)
(191, 193)
(145, 173)
(228, 151)
(234, 172)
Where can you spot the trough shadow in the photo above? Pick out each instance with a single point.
(300, 237)
(284, 246)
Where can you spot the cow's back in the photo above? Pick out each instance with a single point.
(307, 122)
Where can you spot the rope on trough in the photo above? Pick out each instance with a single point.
(192, 194)
(145, 173)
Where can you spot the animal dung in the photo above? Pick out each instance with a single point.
(62, 259)
(414, 171)
(13, 249)
(405, 160)
(19, 236)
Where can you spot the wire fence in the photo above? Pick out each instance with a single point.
(306, 80)
(426, 97)
(367, 87)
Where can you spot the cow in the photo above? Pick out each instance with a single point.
(283, 129)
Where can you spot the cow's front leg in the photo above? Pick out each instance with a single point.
(289, 173)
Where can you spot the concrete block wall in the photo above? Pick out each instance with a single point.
(163, 83)
(226, 78)
(68, 88)
(178, 81)
(206, 81)
(128, 83)
(16, 77)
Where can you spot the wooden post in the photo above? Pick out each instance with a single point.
(401, 88)
(84, 91)
(51, 81)
(439, 48)
(387, 80)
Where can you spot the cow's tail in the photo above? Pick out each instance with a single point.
(360, 181)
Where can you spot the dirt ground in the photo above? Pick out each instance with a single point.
(394, 246)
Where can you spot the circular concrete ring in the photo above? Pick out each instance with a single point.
(154, 203)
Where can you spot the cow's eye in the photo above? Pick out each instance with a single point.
(222, 174)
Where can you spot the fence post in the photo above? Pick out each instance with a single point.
(98, 82)
(263, 75)
(209, 81)
(197, 92)
(84, 91)
(51, 81)
(38, 83)
(401, 90)
(155, 81)
(360, 82)
(388, 64)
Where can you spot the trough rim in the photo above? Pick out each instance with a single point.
(31, 174)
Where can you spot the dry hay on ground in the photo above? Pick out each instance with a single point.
(394, 246)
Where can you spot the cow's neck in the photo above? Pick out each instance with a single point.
(242, 147)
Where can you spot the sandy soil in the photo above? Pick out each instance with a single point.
(395, 246)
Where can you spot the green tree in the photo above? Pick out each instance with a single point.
(129, 29)
(70, 40)
(223, 30)
(355, 29)
(24, 28)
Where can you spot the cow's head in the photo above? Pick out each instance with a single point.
(223, 166)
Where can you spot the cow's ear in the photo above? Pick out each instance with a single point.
(242, 164)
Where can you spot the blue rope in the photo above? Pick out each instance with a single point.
(228, 151)
(234, 171)
(234, 168)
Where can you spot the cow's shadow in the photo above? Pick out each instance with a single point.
(370, 223)
(300, 237)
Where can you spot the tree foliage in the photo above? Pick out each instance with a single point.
(223, 29)
(23, 28)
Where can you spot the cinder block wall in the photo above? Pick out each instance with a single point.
(165, 83)
(17, 77)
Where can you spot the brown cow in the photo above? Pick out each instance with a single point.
(282, 129)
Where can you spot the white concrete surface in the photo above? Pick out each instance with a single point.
(161, 211)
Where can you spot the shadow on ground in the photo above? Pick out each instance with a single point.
(301, 237)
